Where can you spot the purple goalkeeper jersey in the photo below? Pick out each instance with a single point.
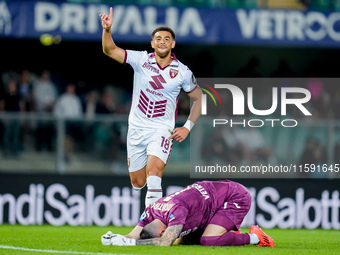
(192, 206)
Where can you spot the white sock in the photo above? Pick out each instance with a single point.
(254, 239)
(155, 191)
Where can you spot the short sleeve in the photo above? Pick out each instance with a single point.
(189, 83)
(133, 57)
(145, 218)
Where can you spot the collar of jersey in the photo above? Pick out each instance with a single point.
(174, 63)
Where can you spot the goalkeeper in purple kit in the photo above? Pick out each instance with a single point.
(213, 210)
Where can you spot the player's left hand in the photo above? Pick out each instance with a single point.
(106, 239)
(179, 134)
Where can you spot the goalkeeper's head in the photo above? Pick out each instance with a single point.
(154, 229)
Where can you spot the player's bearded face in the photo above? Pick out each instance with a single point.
(162, 43)
(162, 52)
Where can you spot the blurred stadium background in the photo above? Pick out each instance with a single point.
(52, 48)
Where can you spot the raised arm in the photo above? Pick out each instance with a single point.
(168, 237)
(109, 47)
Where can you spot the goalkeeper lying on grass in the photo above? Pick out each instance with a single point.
(211, 210)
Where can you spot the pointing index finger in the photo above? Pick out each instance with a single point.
(110, 12)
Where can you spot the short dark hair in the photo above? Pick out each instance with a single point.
(149, 231)
(164, 28)
(145, 234)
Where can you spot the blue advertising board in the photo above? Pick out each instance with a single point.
(131, 23)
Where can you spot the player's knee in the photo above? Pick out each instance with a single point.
(138, 184)
(137, 181)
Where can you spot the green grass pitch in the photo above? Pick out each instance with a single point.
(45, 239)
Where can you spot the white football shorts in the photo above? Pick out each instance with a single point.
(141, 143)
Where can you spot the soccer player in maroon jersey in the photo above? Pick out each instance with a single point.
(213, 209)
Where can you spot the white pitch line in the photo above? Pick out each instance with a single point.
(60, 252)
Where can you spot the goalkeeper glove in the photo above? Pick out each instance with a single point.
(115, 239)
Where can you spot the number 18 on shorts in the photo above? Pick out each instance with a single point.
(141, 143)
